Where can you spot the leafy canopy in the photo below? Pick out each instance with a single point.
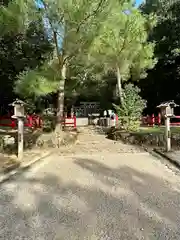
(163, 82)
(71, 27)
(123, 42)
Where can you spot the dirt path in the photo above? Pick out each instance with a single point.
(94, 194)
(91, 140)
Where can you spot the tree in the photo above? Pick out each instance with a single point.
(162, 82)
(122, 45)
(131, 108)
(21, 48)
(71, 27)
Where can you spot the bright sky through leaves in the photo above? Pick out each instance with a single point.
(138, 2)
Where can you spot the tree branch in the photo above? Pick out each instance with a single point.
(100, 4)
(46, 8)
(55, 33)
(125, 35)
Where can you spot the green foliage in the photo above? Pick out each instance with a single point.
(166, 32)
(49, 122)
(16, 16)
(163, 82)
(19, 51)
(123, 42)
(71, 29)
(122, 45)
(131, 108)
(37, 82)
(112, 33)
(30, 106)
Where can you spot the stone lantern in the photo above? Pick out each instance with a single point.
(105, 113)
(19, 114)
(18, 108)
(167, 108)
(167, 111)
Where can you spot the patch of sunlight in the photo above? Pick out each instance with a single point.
(138, 180)
(25, 200)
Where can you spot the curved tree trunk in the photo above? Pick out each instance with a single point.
(119, 84)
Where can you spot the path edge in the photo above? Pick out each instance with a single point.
(23, 167)
(168, 158)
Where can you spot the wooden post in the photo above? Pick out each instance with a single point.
(168, 134)
(20, 137)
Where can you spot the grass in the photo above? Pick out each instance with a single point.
(157, 129)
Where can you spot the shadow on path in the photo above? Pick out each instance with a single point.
(48, 208)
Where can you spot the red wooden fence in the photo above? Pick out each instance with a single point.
(32, 121)
(176, 123)
(157, 120)
(35, 121)
(70, 121)
(151, 120)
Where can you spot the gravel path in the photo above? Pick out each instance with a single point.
(100, 195)
(92, 140)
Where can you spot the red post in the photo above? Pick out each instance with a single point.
(13, 123)
(159, 119)
(153, 120)
(74, 121)
(34, 123)
(30, 121)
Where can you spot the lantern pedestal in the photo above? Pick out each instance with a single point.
(20, 138)
(168, 134)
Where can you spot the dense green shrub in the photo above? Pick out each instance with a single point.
(131, 108)
(49, 122)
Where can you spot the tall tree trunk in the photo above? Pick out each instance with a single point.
(60, 112)
(119, 84)
(59, 135)
(62, 68)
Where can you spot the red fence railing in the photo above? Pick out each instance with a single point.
(33, 121)
(151, 120)
(174, 121)
(157, 120)
(30, 121)
(70, 121)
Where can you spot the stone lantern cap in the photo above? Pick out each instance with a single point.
(167, 108)
(170, 103)
(17, 102)
(18, 108)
